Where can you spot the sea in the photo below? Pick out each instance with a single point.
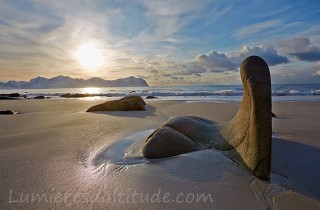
(215, 93)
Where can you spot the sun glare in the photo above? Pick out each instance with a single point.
(89, 56)
(91, 90)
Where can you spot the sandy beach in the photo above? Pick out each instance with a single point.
(54, 155)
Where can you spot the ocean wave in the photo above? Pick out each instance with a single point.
(315, 92)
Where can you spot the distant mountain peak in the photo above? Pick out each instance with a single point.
(68, 82)
(61, 76)
(38, 78)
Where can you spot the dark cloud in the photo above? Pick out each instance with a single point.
(218, 62)
(301, 48)
(268, 53)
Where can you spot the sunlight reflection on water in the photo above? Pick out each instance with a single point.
(91, 90)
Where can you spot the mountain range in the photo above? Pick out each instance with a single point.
(68, 82)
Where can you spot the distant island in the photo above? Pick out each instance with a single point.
(68, 82)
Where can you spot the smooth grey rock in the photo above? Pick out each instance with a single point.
(246, 138)
(167, 142)
(200, 130)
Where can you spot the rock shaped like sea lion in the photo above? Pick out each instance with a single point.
(246, 138)
(127, 103)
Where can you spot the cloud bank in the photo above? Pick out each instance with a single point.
(300, 48)
(220, 62)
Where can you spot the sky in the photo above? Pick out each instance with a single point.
(166, 42)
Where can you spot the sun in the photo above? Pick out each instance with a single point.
(89, 56)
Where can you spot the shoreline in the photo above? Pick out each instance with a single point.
(211, 99)
(225, 93)
(52, 145)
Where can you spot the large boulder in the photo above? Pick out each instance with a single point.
(128, 103)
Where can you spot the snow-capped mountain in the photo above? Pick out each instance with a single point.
(68, 82)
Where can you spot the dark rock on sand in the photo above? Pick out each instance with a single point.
(246, 138)
(273, 115)
(39, 97)
(14, 95)
(76, 95)
(7, 112)
(6, 98)
(151, 97)
(10, 96)
(128, 103)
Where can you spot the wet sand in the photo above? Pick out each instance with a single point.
(55, 155)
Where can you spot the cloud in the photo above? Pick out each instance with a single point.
(183, 68)
(168, 17)
(219, 9)
(290, 73)
(256, 28)
(300, 48)
(268, 53)
(220, 62)
(164, 68)
(189, 68)
(216, 62)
